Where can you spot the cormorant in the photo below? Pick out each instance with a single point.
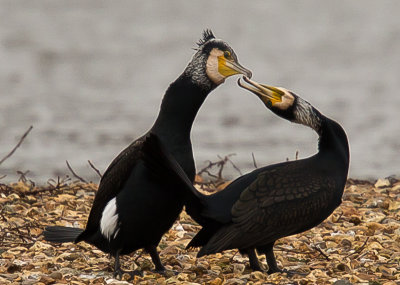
(271, 202)
(132, 210)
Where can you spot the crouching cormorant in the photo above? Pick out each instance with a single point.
(271, 202)
(132, 210)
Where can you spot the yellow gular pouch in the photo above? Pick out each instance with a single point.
(224, 67)
(275, 94)
(272, 101)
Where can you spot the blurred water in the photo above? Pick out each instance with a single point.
(89, 76)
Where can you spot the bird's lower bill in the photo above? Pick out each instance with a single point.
(228, 68)
(266, 93)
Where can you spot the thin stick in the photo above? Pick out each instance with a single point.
(337, 220)
(74, 174)
(321, 252)
(234, 166)
(254, 160)
(95, 169)
(359, 249)
(17, 146)
(231, 259)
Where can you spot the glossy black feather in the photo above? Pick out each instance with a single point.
(147, 208)
(271, 202)
(207, 35)
(61, 234)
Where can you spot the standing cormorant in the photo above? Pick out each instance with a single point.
(131, 209)
(271, 202)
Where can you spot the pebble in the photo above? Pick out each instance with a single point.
(56, 275)
(342, 282)
(382, 183)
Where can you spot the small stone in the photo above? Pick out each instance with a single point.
(182, 277)
(355, 220)
(72, 256)
(394, 205)
(257, 275)
(56, 275)
(199, 269)
(13, 268)
(216, 281)
(342, 282)
(9, 276)
(341, 267)
(235, 281)
(382, 183)
(30, 199)
(47, 280)
(346, 243)
(367, 277)
(238, 268)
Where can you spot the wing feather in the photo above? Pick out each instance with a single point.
(281, 202)
(113, 181)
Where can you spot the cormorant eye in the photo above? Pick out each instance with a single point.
(227, 54)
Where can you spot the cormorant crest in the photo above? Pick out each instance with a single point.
(207, 35)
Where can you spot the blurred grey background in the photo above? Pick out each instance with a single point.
(90, 75)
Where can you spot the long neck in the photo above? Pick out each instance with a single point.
(332, 138)
(178, 110)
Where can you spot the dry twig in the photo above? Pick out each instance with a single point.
(74, 173)
(17, 146)
(359, 249)
(254, 160)
(220, 164)
(95, 169)
(234, 166)
(315, 247)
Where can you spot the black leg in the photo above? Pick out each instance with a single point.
(269, 254)
(254, 264)
(118, 272)
(152, 250)
(268, 250)
(117, 266)
(272, 265)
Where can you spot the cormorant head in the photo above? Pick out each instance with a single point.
(213, 62)
(284, 103)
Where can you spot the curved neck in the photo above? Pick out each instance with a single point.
(332, 137)
(179, 108)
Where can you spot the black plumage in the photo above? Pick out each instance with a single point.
(131, 209)
(271, 202)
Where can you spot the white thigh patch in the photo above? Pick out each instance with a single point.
(109, 220)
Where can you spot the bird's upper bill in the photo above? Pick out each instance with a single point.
(228, 65)
(266, 93)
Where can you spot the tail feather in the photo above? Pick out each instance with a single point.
(225, 238)
(196, 241)
(165, 167)
(61, 234)
(204, 235)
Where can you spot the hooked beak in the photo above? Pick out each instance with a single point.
(264, 92)
(228, 67)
